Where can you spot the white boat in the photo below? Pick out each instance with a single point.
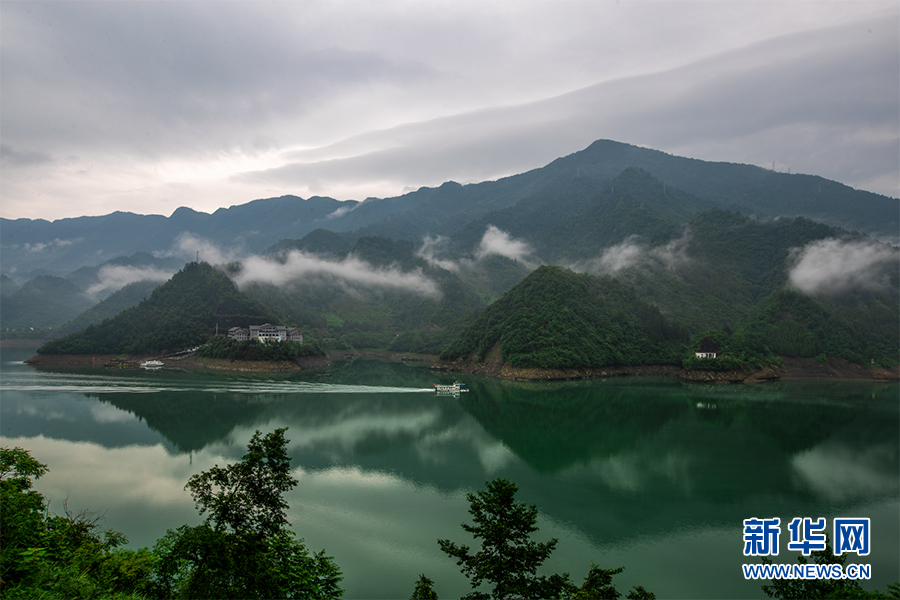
(151, 364)
(454, 388)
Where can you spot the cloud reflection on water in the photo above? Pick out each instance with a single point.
(842, 473)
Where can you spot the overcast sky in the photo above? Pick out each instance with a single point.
(148, 106)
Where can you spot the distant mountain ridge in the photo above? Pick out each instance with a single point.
(62, 246)
(181, 313)
(45, 301)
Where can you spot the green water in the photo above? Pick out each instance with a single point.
(650, 474)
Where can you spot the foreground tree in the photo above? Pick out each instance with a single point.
(244, 549)
(598, 585)
(52, 556)
(798, 589)
(509, 558)
(423, 590)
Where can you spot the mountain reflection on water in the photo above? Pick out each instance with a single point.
(613, 462)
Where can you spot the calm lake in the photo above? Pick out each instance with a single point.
(651, 474)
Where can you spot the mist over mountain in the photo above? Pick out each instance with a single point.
(113, 275)
(60, 247)
(182, 312)
(559, 319)
(130, 295)
(43, 302)
(7, 285)
(696, 248)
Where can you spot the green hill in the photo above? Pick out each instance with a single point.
(130, 295)
(556, 318)
(181, 313)
(724, 264)
(859, 328)
(578, 219)
(43, 302)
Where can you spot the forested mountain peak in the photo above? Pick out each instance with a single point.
(682, 186)
(561, 319)
(181, 313)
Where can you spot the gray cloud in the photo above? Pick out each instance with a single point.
(497, 241)
(154, 79)
(193, 247)
(431, 247)
(53, 245)
(115, 277)
(833, 265)
(298, 266)
(23, 158)
(631, 253)
(822, 102)
(205, 104)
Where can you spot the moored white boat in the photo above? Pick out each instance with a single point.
(151, 364)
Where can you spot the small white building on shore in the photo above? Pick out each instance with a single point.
(265, 333)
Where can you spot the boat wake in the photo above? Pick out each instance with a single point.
(75, 383)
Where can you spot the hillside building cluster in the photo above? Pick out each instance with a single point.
(266, 333)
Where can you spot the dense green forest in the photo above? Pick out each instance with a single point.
(366, 316)
(182, 313)
(684, 269)
(130, 295)
(558, 318)
(254, 349)
(579, 219)
(862, 329)
(721, 266)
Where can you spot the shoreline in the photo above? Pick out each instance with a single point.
(188, 363)
(833, 369)
(303, 363)
(791, 369)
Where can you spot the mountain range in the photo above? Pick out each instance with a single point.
(35, 246)
(694, 247)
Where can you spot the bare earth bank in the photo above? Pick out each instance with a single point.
(792, 368)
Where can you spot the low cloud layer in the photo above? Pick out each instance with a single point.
(431, 247)
(41, 246)
(497, 241)
(193, 247)
(299, 266)
(115, 277)
(632, 253)
(154, 105)
(832, 266)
